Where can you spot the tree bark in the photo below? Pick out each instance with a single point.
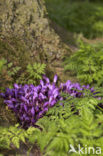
(27, 20)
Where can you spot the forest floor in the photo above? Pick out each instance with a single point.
(70, 39)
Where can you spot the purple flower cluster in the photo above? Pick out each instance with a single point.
(31, 102)
(74, 89)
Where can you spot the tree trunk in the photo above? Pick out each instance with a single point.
(27, 20)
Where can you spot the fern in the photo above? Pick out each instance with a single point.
(12, 71)
(12, 135)
(76, 122)
(8, 73)
(2, 64)
(32, 74)
(73, 121)
(87, 64)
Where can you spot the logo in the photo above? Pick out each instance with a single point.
(85, 150)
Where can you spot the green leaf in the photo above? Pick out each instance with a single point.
(15, 141)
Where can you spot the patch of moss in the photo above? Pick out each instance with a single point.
(14, 50)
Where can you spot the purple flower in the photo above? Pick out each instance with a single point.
(30, 102)
(55, 78)
(2, 95)
(46, 79)
(32, 111)
(16, 86)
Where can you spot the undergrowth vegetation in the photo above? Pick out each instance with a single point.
(84, 17)
(55, 118)
(87, 63)
(33, 74)
(76, 122)
(73, 121)
(12, 135)
(9, 74)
